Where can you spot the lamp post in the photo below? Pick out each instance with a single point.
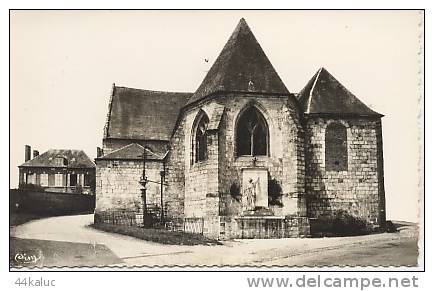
(143, 181)
(163, 176)
(148, 218)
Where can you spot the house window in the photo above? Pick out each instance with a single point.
(44, 180)
(51, 180)
(31, 179)
(89, 179)
(336, 153)
(251, 134)
(200, 138)
(58, 180)
(73, 179)
(80, 179)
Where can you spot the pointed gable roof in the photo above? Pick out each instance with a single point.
(133, 151)
(323, 94)
(242, 66)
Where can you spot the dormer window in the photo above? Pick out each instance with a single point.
(60, 162)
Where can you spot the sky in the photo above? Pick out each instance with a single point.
(63, 65)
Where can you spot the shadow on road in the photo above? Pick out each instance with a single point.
(46, 253)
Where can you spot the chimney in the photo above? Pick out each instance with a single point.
(35, 153)
(27, 153)
(99, 152)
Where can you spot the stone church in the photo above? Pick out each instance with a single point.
(241, 157)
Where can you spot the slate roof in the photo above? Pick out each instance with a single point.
(133, 151)
(323, 94)
(242, 66)
(75, 158)
(143, 114)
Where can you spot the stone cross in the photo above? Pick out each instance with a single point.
(254, 160)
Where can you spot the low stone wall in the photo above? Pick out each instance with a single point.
(129, 218)
(53, 203)
(135, 218)
(263, 227)
(220, 227)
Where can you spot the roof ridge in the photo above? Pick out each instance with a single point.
(149, 150)
(153, 91)
(64, 150)
(124, 147)
(311, 90)
(109, 114)
(152, 155)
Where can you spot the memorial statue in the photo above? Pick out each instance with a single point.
(249, 197)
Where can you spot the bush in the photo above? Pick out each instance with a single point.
(274, 193)
(390, 227)
(339, 223)
(235, 192)
(345, 224)
(31, 187)
(78, 189)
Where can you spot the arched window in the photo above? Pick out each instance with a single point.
(336, 153)
(200, 139)
(251, 134)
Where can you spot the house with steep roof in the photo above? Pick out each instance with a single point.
(58, 170)
(242, 157)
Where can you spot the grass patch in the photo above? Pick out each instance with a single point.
(161, 236)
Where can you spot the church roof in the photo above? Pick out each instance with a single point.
(133, 151)
(323, 94)
(242, 66)
(143, 114)
(75, 159)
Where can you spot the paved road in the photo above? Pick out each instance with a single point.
(378, 249)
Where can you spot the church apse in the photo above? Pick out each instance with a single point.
(245, 157)
(258, 151)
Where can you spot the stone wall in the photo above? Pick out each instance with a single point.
(285, 162)
(202, 181)
(175, 176)
(207, 183)
(52, 203)
(263, 227)
(199, 179)
(118, 188)
(358, 189)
